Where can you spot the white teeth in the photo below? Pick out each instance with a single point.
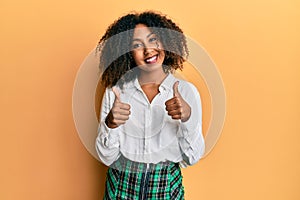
(151, 59)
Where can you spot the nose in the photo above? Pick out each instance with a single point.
(148, 49)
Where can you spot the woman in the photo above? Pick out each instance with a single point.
(151, 122)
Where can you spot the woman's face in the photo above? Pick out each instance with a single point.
(146, 48)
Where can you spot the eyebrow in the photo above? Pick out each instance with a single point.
(137, 39)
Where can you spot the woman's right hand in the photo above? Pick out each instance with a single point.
(119, 113)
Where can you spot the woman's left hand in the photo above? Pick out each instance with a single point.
(177, 107)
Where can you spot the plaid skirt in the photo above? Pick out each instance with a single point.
(128, 180)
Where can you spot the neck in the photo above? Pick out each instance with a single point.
(156, 77)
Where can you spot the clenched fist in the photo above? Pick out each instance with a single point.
(177, 107)
(119, 113)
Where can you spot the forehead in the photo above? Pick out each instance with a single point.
(141, 31)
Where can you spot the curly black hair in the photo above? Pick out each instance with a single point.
(115, 45)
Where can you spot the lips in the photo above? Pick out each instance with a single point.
(151, 59)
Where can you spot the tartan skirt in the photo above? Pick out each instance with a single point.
(128, 180)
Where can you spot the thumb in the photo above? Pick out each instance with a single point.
(175, 89)
(117, 93)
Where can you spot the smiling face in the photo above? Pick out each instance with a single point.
(147, 50)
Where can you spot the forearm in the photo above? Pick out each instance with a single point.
(191, 145)
(107, 144)
(190, 135)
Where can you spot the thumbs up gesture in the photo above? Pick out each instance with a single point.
(119, 113)
(177, 107)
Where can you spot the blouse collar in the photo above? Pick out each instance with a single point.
(167, 83)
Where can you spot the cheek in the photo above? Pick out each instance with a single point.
(137, 56)
(162, 55)
(160, 46)
(161, 49)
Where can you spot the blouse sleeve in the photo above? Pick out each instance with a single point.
(189, 134)
(107, 141)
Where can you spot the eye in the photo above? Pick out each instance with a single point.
(136, 45)
(153, 39)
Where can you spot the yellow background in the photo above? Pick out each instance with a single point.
(255, 45)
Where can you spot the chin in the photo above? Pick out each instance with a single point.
(150, 67)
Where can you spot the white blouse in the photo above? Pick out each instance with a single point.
(150, 135)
